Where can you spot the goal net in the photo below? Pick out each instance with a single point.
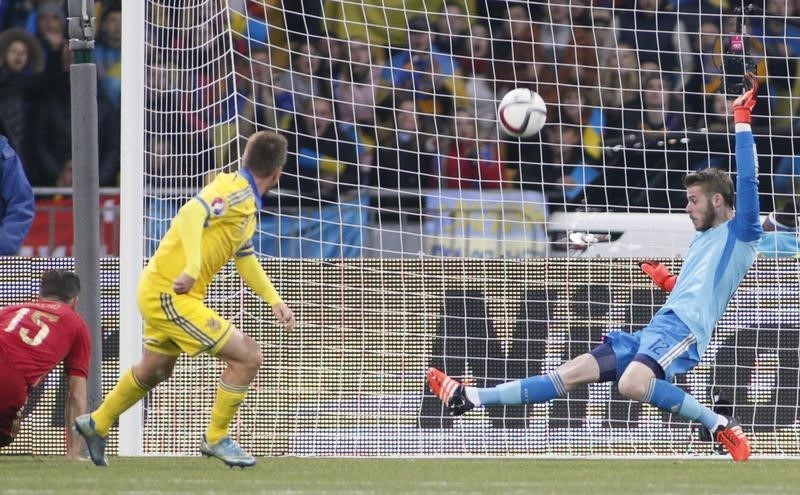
(409, 230)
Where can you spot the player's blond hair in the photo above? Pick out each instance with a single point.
(265, 152)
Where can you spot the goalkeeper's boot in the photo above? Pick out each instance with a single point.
(95, 442)
(228, 451)
(733, 438)
(450, 391)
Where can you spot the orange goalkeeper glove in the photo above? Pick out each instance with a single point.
(743, 105)
(659, 273)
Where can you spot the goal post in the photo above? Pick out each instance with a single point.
(132, 158)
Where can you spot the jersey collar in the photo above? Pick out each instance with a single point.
(249, 176)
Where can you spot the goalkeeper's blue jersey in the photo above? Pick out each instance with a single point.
(719, 258)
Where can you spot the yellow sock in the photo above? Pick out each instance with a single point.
(229, 397)
(126, 393)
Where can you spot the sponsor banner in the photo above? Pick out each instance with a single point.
(333, 231)
(485, 224)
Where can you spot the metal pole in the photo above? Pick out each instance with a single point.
(86, 196)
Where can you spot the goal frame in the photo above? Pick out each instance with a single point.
(131, 211)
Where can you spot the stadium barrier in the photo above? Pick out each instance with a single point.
(487, 224)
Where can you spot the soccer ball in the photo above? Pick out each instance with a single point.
(522, 112)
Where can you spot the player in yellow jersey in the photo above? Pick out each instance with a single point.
(210, 229)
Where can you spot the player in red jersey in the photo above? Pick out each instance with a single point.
(34, 338)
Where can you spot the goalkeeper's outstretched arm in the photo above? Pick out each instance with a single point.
(747, 224)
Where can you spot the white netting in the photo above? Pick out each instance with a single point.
(395, 152)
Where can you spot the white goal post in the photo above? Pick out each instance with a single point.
(131, 210)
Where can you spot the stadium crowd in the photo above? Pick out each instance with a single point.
(408, 101)
(35, 88)
(639, 93)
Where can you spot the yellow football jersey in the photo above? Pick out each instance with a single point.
(230, 202)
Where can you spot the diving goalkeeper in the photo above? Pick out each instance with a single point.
(644, 363)
(216, 225)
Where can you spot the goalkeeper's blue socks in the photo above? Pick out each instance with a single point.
(668, 397)
(530, 390)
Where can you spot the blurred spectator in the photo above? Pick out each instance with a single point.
(715, 121)
(296, 87)
(470, 163)
(51, 133)
(303, 19)
(602, 38)
(657, 114)
(703, 78)
(424, 71)
(402, 160)
(478, 71)
(20, 60)
(656, 34)
(163, 96)
(258, 110)
(567, 171)
(569, 44)
(717, 115)
(556, 34)
(780, 33)
(65, 176)
(599, 50)
(323, 162)
(333, 52)
(260, 24)
(575, 110)
(17, 208)
(50, 31)
(572, 112)
(159, 156)
(18, 13)
(355, 86)
(354, 90)
(620, 97)
(108, 52)
(518, 58)
(453, 30)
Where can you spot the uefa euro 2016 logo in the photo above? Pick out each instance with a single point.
(217, 206)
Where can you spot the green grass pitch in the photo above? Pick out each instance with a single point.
(291, 475)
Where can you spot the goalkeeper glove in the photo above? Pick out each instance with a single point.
(660, 275)
(743, 105)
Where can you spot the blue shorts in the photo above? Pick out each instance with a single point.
(666, 339)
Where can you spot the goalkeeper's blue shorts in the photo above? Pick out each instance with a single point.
(666, 339)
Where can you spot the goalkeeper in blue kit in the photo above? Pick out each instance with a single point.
(644, 363)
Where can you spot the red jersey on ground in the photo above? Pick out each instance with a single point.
(36, 336)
